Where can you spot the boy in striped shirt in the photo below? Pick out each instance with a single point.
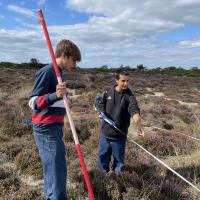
(48, 115)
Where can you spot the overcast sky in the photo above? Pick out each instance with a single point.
(156, 33)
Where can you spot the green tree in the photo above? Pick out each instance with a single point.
(34, 61)
(141, 67)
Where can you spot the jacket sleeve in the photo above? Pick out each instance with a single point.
(102, 104)
(133, 107)
(40, 98)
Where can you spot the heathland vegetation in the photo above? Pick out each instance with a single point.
(169, 99)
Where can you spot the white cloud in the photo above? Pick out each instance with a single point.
(147, 10)
(190, 43)
(28, 44)
(133, 25)
(40, 2)
(126, 32)
(22, 45)
(133, 18)
(21, 10)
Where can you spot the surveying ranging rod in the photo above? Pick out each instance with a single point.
(78, 147)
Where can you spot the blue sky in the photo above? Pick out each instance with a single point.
(55, 13)
(155, 33)
(184, 33)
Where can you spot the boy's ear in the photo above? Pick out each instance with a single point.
(62, 55)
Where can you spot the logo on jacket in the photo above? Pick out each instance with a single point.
(109, 97)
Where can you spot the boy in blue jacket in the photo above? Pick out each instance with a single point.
(48, 115)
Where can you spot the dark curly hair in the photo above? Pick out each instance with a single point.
(121, 72)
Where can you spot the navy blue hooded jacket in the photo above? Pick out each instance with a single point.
(120, 107)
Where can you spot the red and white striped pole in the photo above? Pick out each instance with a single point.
(78, 147)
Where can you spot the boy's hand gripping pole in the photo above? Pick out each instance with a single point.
(78, 147)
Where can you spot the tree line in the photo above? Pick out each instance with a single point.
(173, 70)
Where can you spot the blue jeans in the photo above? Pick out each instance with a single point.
(52, 153)
(107, 148)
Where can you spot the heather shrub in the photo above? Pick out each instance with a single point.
(111, 186)
(16, 129)
(191, 172)
(142, 177)
(10, 183)
(76, 85)
(168, 144)
(83, 130)
(28, 162)
(12, 188)
(12, 147)
(167, 189)
(166, 125)
(195, 127)
(28, 193)
(92, 142)
(71, 153)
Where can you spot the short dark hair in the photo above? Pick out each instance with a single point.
(121, 72)
(68, 48)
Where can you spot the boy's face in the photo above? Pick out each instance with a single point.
(122, 82)
(68, 63)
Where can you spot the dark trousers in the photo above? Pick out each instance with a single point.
(107, 148)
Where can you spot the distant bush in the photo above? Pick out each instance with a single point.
(141, 67)
(103, 68)
(28, 65)
(195, 71)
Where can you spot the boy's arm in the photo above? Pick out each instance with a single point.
(41, 98)
(137, 119)
(134, 111)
